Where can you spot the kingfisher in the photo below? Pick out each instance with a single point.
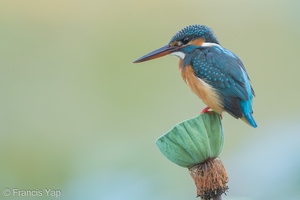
(216, 75)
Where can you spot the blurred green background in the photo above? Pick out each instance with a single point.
(78, 116)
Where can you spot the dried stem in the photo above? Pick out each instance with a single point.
(217, 198)
(210, 179)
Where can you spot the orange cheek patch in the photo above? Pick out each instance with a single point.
(197, 42)
(174, 43)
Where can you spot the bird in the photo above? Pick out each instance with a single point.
(216, 75)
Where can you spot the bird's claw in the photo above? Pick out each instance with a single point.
(206, 110)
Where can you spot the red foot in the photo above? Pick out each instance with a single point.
(206, 110)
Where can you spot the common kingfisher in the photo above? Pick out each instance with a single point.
(214, 74)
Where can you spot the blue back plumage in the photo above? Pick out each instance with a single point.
(224, 71)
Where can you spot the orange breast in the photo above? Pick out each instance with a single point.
(203, 90)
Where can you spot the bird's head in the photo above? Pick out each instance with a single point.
(185, 40)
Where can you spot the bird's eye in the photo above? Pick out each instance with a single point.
(181, 42)
(185, 40)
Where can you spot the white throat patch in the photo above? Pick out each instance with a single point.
(178, 54)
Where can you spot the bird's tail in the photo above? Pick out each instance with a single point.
(246, 107)
(249, 120)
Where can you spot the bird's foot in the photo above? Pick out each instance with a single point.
(206, 110)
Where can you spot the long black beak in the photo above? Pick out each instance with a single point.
(165, 50)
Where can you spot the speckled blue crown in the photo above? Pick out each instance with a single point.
(195, 31)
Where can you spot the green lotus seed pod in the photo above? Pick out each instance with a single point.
(193, 141)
